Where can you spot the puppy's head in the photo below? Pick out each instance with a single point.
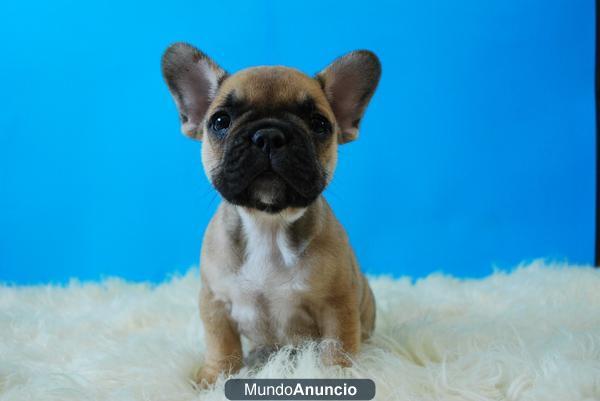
(270, 134)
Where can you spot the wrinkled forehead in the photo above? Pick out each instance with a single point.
(272, 88)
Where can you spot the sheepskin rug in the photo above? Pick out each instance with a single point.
(532, 334)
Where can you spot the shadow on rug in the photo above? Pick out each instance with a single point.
(533, 334)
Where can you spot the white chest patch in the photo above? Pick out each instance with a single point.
(266, 291)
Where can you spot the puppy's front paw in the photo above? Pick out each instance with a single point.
(336, 359)
(209, 373)
(207, 376)
(332, 354)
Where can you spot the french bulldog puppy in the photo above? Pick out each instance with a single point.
(276, 265)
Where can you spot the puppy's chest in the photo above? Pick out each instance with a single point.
(265, 295)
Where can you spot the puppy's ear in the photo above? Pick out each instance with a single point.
(193, 79)
(349, 83)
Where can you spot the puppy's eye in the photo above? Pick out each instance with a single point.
(320, 125)
(220, 123)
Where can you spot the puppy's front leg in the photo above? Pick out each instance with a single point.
(223, 345)
(340, 321)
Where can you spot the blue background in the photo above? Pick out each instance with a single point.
(477, 150)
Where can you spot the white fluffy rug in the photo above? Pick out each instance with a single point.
(533, 334)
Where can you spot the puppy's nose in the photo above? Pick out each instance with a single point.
(269, 139)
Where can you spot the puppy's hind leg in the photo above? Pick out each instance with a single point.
(367, 311)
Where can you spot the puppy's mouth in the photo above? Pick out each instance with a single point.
(272, 192)
(270, 181)
(268, 191)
